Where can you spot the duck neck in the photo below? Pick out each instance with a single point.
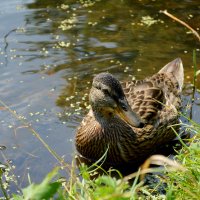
(106, 119)
(102, 116)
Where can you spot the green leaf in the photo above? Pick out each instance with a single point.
(17, 197)
(106, 180)
(44, 190)
(84, 172)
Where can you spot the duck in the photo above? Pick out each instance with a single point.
(128, 121)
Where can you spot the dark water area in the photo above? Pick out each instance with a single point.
(51, 50)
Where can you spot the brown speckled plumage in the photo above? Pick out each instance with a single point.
(155, 100)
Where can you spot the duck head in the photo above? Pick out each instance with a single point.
(108, 100)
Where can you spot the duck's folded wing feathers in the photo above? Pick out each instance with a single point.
(144, 98)
(149, 97)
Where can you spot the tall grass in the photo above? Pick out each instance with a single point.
(185, 184)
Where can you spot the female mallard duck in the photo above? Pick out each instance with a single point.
(130, 120)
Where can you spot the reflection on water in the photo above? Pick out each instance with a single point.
(50, 51)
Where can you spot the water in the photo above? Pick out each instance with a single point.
(50, 51)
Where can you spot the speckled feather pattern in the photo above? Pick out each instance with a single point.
(156, 100)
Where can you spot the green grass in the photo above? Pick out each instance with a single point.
(186, 184)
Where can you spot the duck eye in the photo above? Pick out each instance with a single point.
(105, 91)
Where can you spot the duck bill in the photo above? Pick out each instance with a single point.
(130, 117)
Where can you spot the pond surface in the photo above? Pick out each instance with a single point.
(50, 51)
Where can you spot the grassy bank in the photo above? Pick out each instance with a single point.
(186, 184)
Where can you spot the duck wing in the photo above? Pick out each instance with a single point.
(157, 97)
(153, 97)
(144, 98)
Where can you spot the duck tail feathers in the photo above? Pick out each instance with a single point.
(176, 68)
